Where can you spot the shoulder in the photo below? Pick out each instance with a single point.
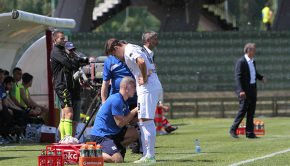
(108, 60)
(111, 60)
(242, 60)
(116, 98)
(54, 50)
(133, 48)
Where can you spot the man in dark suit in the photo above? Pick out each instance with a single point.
(246, 90)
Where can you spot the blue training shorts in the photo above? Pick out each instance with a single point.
(110, 144)
(107, 144)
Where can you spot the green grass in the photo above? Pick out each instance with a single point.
(178, 149)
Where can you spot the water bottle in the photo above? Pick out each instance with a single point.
(84, 151)
(21, 138)
(262, 125)
(91, 150)
(197, 146)
(99, 151)
(58, 160)
(42, 162)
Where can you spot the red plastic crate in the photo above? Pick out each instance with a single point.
(52, 160)
(71, 152)
(242, 130)
(91, 161)
(259, 131)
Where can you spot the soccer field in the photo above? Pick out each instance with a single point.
(217, 147)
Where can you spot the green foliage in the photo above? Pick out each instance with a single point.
(7, 5)
(42, 7)
(139, 20)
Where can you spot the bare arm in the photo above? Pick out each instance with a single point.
(121, 121)
(165, 108)
(15, 101)
(270, 14)
(33, 103)
(24, 97)
(105, 91)
(11, 104)
(143, 68)
(134, 121)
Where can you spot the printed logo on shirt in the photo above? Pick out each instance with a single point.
(114, 147)
(4, 95)
(124, 109)
(114, 66)
(152, 71)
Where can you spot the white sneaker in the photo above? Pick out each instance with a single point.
(161, 132)
(145, 160)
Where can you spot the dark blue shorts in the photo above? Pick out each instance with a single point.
(107, 144)
(110, 144)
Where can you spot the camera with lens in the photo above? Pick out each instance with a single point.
(81, 58)
(91, 74)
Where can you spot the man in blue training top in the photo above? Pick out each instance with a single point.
(110, 129)
(114, 70)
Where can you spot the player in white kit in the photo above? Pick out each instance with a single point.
(148, 89)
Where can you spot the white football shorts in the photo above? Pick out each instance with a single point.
(147, 102)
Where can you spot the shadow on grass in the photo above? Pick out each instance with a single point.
(181, 124)
(8, 158)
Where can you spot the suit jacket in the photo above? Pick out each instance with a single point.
(243, 76)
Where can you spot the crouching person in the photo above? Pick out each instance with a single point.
(110, 128)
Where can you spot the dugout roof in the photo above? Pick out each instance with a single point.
(18, 27)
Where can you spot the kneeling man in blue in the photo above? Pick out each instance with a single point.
(110, 128)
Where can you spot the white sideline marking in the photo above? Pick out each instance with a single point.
(7, 147)
(269, 155)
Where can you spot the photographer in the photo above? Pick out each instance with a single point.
(62, 67)
(70, 50)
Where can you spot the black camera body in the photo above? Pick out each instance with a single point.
(81, 58)
(92, 73)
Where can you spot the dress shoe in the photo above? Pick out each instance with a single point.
(171, 129)
(253, 136)
(234, 135)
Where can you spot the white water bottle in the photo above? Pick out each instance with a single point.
(197, 146)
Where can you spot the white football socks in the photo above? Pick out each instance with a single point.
(148, 137)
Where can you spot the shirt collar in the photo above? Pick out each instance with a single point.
(148, 50)
(248, 59)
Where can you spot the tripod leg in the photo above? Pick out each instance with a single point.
(93, 113)
(89, 110)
